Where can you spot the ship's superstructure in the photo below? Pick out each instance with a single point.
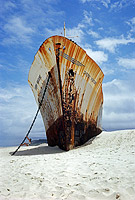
(72, 106)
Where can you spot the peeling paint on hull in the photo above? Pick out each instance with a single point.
(72, 107)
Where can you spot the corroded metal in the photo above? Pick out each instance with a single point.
(72, 107)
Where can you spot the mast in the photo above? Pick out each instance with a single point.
(65, 33)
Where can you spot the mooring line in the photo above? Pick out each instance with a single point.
(40, 104)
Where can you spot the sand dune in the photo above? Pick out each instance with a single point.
(103, 169)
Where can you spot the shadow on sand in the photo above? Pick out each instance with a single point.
(38, 150)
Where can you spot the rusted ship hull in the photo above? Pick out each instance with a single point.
(72, 106)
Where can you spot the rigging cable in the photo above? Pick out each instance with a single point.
(40, 104)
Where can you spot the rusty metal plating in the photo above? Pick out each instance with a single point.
(72, 108)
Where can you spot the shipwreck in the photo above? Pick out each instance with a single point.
(71, 83)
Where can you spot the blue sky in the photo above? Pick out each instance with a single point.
(105, 29)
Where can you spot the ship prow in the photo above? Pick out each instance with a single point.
(72, 106)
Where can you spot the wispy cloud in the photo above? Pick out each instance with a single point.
(93, 34)
(107, 71)
(17, 108)
(131, 23)
(18, 31)
(119, 104)
(6, 7)
(128, 63)
(76, 33)
(120, 4)
(117, 5)
(27, 19)
(113, 6)
(111, 44)
(104, 2)
(9, 5)
(98, 56)
(88, 18)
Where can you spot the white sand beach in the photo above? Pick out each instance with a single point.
(104, 169)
